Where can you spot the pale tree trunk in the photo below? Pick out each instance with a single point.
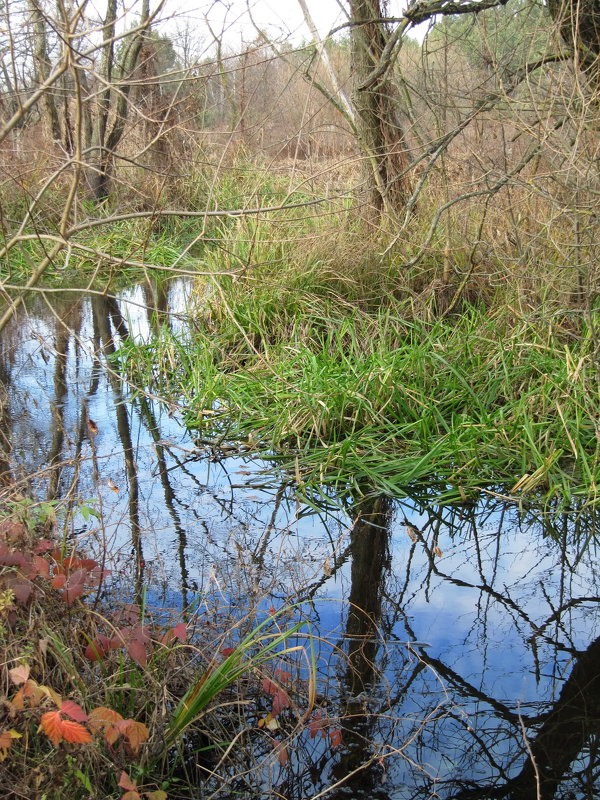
(42, 69)
(376, 106)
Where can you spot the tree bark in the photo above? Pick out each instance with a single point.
(42, 69)
(579, 25)
(376, 106)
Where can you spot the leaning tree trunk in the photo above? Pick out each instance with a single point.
(376, 106)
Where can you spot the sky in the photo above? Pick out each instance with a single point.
(281, 19)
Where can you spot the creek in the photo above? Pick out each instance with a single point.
(457, 648)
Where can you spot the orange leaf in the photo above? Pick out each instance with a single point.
(125, 782)
(74, 732)
(131, 796)
(335, 737)
(51, 724)
(101, 718)
(20, 674)
(6, 739)
(136, 733)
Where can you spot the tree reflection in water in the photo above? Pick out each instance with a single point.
(472, 674)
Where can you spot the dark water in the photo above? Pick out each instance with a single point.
(457, 649)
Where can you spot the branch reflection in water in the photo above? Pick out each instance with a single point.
(458, 648)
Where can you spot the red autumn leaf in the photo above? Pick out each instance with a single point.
(180, 631)
(58, 729)
(43, 546)
(137, 650)
(58, 581)
(12, 559)
(74, 711)
(316, 725)
(20, 674)
(283, 675)
(88, 564)
(335, 737)
(282, 752)
(269, 687)
(41, 567)
(98, 649)
(75, 585)
(280, 701)
(125, 782)
(20, 587)
(227, 651)
(10, 530)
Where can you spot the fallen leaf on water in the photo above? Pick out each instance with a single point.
(92, 427)
(413, 533)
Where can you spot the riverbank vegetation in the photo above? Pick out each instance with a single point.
(107, 698)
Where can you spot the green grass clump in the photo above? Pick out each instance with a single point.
(349, 398)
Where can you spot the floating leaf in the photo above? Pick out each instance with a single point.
(335, 737)
(92, 427)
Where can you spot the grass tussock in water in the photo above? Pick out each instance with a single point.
(347, 393)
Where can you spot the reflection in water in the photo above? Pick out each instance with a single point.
(458, 649)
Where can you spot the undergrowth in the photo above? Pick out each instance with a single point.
(343, 396)
(105, 699)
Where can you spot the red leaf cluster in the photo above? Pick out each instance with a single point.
(43, 562)
(136, 639)
(323, 725)
(281, 699)
(112, 725)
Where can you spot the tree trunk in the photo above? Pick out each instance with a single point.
(375, 101)
(42, 69)
(579, 25)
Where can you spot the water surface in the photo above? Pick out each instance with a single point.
(458, 649)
